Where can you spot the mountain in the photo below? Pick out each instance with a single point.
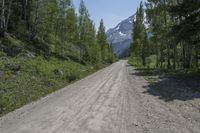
(120, 37)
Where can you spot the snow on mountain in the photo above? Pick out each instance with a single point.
(122, 34)
(120, 37)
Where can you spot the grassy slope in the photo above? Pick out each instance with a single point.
(26, 78)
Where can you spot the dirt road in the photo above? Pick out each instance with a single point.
(113, 100)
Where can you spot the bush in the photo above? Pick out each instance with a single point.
(11, 42)
(71, 77)
(39, 46)
(11, 46)
(151, 61)
(135, 62)
(2, 54)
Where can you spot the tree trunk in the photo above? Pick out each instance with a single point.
(2, 19)
(175, 57)
(197, 56)
(157, 56)
(190, 49)
(34, 23)
(168, 57)
(184, 55)
(161, 55)
(188, 53)
(143, 60)
(8, 15)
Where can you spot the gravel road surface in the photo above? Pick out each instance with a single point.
(112, 100)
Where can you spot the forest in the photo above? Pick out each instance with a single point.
(45, 45)
(51, 26)
(166, 35)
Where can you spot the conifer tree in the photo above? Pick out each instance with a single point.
(139, 46)
(71, 26)
(102, 39)
(82, 23)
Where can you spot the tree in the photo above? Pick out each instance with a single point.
(186, 30)
(53, 29)
(159, 23)
(140, 44)
(82, 23)
(105, 48)
(71, 26)
(3, 19)
(102, 39)
(174, 28)
(5, 16)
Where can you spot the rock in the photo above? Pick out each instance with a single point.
(71, 77)
(12, 51)
(2, 73)
(13, 67)
(50, 84)
(30, 54)
(4, 58)
(58, 72)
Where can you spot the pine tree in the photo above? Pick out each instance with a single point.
(82, 23)
(71, 26)
(90, 41)
(101, 39)
(140, 44)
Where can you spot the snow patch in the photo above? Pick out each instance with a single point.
(117, 28)
(122, 34)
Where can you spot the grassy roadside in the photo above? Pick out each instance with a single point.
(27, 74)
(23, 79)
(171, 84)
(151, 74)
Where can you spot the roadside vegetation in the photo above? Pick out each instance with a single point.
(44, 46)
(166, 44)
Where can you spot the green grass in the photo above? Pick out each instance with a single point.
(23, 79)
(11, 42)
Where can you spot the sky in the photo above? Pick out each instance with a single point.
(111, 11)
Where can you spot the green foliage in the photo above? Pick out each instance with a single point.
(71, 26)
(106, 52)
(2, 54)
(173, 42)
(151, 61)
(52, 28)
(11, 42)
(49, 47)
(176, 51)
(139, 48)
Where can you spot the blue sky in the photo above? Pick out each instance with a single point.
(111, 11)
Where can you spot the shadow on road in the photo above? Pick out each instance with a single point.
(168, 88)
